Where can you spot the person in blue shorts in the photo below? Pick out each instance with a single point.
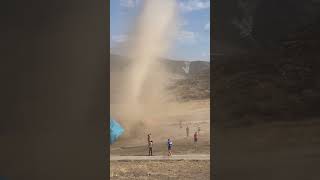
(169, 147)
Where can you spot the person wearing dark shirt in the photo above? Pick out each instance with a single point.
(195, 139)
(169, 147)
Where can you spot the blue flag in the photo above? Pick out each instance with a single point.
(116, 131)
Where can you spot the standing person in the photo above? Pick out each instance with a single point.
(169, 147)
(195, 139)
(199, 129)
(150, 147)
(149, 138)
(187, 131)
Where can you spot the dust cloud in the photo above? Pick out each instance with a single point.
(145, 100)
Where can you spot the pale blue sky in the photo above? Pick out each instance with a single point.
(194, 35)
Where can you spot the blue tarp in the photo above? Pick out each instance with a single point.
(115, 131)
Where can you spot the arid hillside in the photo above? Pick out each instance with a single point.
(185, 83)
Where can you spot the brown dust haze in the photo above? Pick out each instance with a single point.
(144, 99)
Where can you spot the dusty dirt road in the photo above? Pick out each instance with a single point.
(197, 157)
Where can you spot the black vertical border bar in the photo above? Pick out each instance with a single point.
(107, 122)
(213, 143)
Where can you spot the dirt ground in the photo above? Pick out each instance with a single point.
(194, 114)
(185, 170)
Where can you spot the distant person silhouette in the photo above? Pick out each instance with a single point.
(195, 139)
(149, 138)
(169, 143)
(187, 131)
(150, 147)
